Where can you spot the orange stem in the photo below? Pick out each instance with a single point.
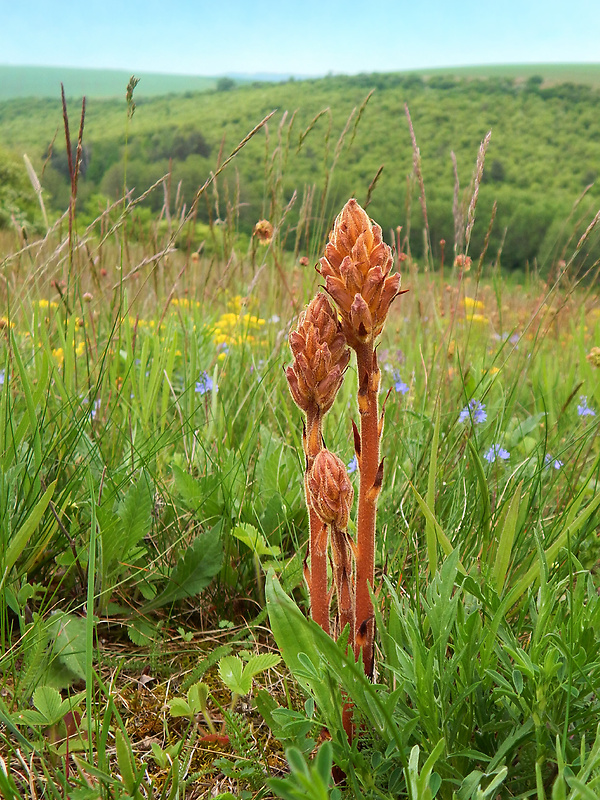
(368, 390)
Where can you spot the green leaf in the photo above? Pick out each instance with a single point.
(21, 537)
(179, 708)
(260, 663)
(142, 632)
(48, 702)
(254, 539)
(194, 570)
(231, 672)
(69, 632)
(506, 535)
(135, 511)
(203, 495)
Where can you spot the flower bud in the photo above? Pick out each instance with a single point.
(330, 490)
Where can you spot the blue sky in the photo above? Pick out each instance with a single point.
(305, 37)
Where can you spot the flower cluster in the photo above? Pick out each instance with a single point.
(583, 409)
(205, 384)
(496, 452)
(474, 410)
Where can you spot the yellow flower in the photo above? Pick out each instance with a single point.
(471, 304)
(59, 355)
(478, 318)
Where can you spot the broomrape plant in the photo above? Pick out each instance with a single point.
(356, 268)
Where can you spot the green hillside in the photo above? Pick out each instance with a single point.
(45, 82)
(552, 74)
(544, 152)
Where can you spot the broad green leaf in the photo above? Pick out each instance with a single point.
(48, 702)
(194, 570)
(197, 696)
(202, 495)
(260, 663)
(231, 672)
(69, 633)
(179, 708)
(254, 539)
(142, 632)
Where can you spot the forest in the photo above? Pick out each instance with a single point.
(329, 139)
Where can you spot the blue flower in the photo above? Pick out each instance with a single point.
(548, 459)
(399, 384)
(95, 408)
(204, 383)
(352, 465)
(2, 376)
(583, 409)
(496, 451)
(474, 410)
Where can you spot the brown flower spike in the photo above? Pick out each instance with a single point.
(320, 360)
(356, 268)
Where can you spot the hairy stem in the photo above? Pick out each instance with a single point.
(370, 484)
(319, 591)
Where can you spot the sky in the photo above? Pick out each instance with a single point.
(301, 38)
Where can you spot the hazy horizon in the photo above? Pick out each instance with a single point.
(264, 37)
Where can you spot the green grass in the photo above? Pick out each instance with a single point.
(29, 81)
(152, 512)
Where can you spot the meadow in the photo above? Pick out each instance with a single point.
(155, 634)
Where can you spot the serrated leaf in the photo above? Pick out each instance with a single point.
(135, 511)
(231, 672)
(202, 495)
(30, 717)
(48, 702)
(141, 632)
(260, 663)
(194, 570)
(254, 539)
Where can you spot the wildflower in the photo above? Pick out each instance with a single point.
(352, 465)
(474, 410)
(548, 459)
(95, 408)
(205, 384)
(495, 452)
(2, 376)
(476, 318)
(583, 409)
(356, 268)
(463, 261)
(399, 384)
(263, 230)
(594, 357)
(471, 304)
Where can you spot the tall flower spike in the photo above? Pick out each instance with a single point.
(356, 268)
(320, 357)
